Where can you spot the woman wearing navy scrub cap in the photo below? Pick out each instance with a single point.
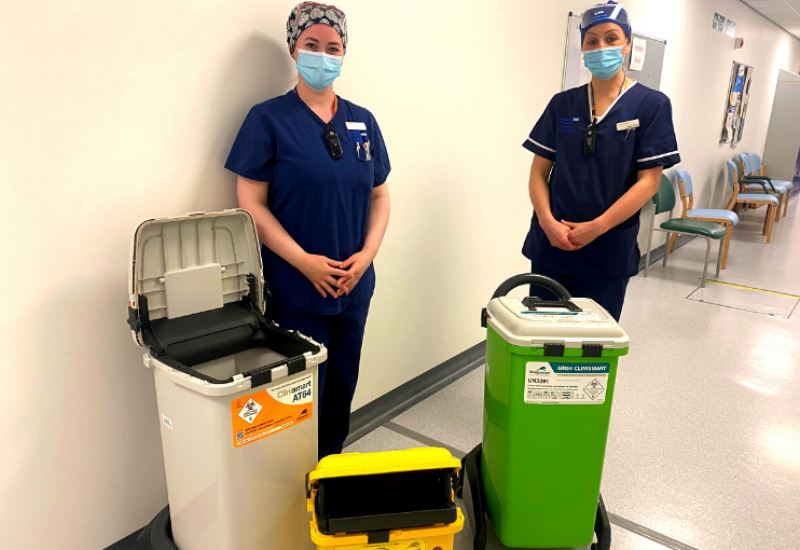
(312, 170)
(599, 153)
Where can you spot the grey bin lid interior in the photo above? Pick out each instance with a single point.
(195, 263)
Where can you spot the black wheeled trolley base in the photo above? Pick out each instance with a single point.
(157, 535)
(470, 489)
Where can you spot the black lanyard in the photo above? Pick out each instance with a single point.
(591, 132)
(331, 135)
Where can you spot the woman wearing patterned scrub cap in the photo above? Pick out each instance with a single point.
(599, 151)
(312, 170)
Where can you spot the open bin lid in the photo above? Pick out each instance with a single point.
(379, 492)
(579, 323)
(193, 263)
(358, 464)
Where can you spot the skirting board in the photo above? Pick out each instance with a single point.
(380, 411)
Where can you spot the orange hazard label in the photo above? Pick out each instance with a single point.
(273, 410)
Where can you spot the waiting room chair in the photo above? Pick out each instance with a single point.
(754, 183)
(724, 217)
(664, 200)
(739, 198)
(761, 170)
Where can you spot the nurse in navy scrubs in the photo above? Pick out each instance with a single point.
(599, 153)
(312, 170)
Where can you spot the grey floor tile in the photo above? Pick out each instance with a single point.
(382, 439)
(704, 443)
(625, 540)
(746, 299)
(453, 416)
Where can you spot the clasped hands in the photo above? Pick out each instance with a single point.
(571, 236)
(332, 277)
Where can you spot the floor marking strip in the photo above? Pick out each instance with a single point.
(648, 533)
(628, 525)
(751, 288)
(429, 441)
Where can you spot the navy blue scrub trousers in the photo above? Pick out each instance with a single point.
(343, 335)
(609, 293)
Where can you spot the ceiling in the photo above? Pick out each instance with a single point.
(784, 13)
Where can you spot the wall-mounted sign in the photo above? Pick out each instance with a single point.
(719, 22)
(730, 28)
(637, 54)
(736, 106)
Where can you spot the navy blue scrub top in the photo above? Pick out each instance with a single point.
(321, 202)
(584, 187)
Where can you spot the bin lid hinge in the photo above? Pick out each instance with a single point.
(592, 350)
(554, 350)
(296, 364)
(260, 378)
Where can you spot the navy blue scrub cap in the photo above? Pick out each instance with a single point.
(612, 12)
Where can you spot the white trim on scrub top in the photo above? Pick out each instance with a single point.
(542, 146)
(589, 99)
(658, 156)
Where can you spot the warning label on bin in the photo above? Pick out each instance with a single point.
(566, 383)
(273, 410)
(399, 545)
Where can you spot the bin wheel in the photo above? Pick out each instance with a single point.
(475, 504)
(157, 535)
(602, 527)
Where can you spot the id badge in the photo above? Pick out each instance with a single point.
(629, 125)
(357, 131)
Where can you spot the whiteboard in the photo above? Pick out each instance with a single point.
(575, 74)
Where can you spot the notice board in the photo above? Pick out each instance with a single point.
(575, 74)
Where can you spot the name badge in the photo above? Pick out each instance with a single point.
(622, 126)
(356, 126)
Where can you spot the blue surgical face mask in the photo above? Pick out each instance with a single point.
(603, 62)
(318, 69)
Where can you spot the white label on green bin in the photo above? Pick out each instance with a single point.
(564, 383)
(561, 316)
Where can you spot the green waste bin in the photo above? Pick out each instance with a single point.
(549, 385)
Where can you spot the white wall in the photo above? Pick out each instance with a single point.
(697, 71)
(112, 112)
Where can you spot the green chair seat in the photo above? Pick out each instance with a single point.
(696, 227)
(664, 200)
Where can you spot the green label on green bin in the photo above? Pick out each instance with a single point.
(581, 367)
(562, 383)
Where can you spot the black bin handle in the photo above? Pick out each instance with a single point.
(533, 279)
(538, 280)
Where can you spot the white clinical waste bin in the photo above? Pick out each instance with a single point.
(236, 393)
